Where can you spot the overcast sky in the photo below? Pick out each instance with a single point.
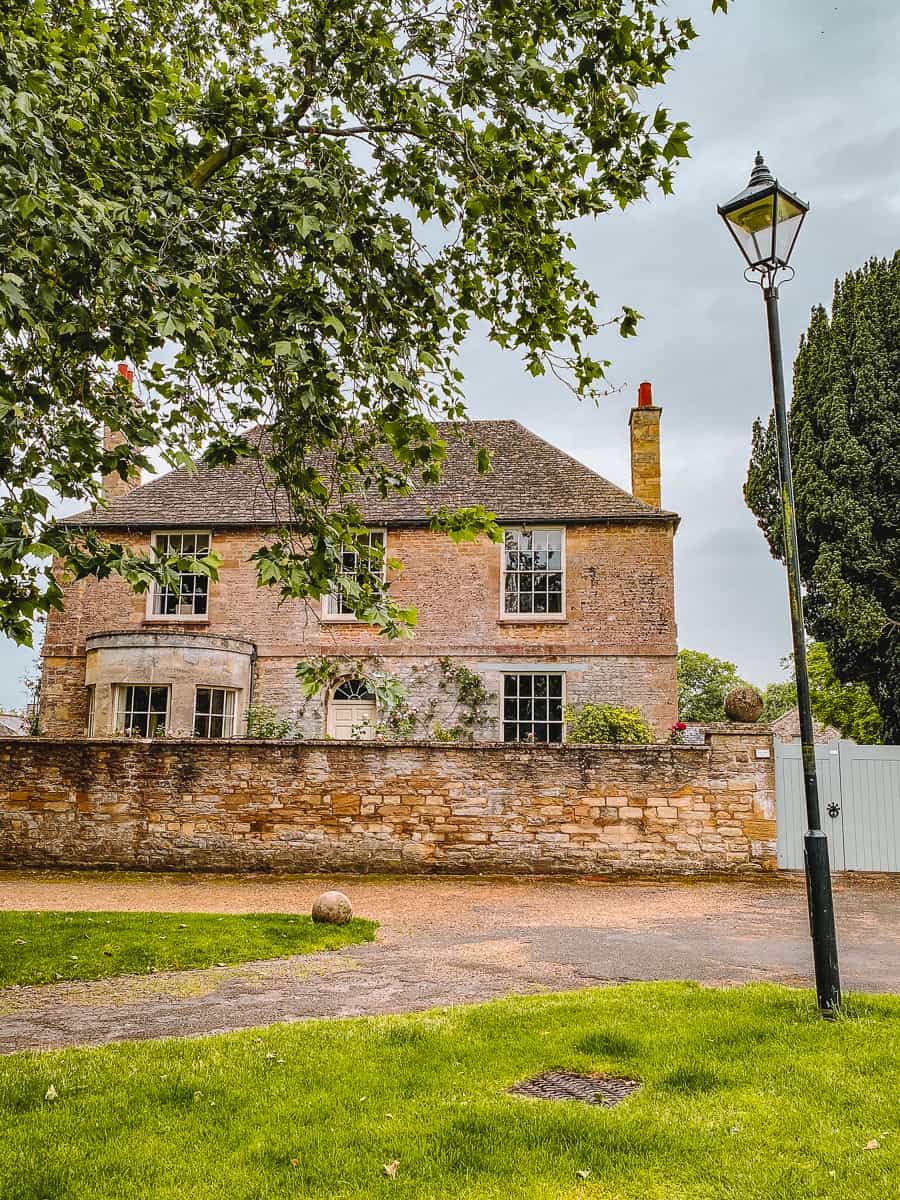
(815, 86)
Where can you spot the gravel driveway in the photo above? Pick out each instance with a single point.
(446, 941)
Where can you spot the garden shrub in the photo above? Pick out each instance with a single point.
(606, 723)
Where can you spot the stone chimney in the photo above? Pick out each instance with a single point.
(114, 486)
(644, 426)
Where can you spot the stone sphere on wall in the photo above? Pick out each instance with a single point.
(743, 704)
(332, 908)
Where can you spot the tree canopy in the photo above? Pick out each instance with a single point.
(291, 214)
(703, 683)
(845, 442)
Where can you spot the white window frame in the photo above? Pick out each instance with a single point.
(536, 669)
(532, 618)
(120, 688)
(155, 591)
(333, 597)
(229, 711)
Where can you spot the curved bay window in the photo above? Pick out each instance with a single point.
(142, 710)
(214, 712)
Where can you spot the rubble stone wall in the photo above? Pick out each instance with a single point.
(412, 807)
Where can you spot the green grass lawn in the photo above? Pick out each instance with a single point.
(41, 947)
(746, 1095)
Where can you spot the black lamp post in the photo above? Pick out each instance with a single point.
(764, 219)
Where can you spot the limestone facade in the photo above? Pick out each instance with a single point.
(576, 605)
(614, 642)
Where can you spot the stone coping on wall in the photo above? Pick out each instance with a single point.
(732, 729)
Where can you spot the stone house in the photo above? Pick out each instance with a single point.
(577, 604)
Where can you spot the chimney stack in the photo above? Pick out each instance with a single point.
(114, 486)
(644, 426)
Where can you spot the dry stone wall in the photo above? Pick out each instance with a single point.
(412, 807)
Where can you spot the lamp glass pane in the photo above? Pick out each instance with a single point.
(790, 217)
(752, 227)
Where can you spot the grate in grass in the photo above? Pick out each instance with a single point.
(605, 1090)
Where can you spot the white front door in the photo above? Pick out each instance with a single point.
(352, 711)
(351, 719)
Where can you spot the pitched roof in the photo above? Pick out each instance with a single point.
(530, 481)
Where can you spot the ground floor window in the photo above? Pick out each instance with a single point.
(533, 707)
(142, 710)
(214, 713)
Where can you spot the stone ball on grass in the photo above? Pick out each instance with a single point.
(332, 908)
(743, 704)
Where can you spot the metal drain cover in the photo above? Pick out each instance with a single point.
(605, 1090)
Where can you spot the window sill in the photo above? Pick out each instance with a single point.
(533, 619)
(345, 620)
(175, 621)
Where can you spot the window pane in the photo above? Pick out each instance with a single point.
(537, 714)
(554, 603)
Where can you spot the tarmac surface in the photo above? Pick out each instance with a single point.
(446, 941)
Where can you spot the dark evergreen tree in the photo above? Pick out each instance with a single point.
(845, 440)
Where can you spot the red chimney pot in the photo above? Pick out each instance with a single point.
(645, 395)
(126, 372)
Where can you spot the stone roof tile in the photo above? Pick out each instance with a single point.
(531, 480)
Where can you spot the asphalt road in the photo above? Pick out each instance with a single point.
(448, 941)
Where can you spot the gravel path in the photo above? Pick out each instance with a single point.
(445, 941)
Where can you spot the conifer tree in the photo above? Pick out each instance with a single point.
(845, 441)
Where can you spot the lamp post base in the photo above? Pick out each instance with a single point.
(821, 922)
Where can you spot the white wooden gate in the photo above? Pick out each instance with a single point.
(859, 799)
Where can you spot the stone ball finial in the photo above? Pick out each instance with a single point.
(332, 908)
(743, 704)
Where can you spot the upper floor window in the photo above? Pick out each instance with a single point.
(214, 712)
(357, 560)
(192, 597)
(91, 701)
(142, 710)
(533, 573)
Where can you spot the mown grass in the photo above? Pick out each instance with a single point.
(43, 947)
(746, 1095)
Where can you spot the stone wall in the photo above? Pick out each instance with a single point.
(328, 806)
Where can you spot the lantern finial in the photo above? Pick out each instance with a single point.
(760, 175)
